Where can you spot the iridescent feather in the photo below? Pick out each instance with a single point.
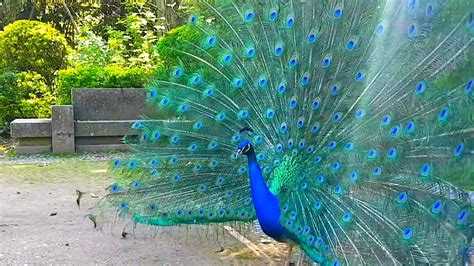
(357, 113)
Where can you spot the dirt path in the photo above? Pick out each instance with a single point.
(30, 194)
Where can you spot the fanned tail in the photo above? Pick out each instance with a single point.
(361, 114)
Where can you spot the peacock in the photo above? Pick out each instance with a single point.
(338, 125)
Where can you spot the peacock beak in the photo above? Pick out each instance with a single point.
(240, 152)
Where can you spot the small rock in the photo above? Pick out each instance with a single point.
(67, 244)
(53, 214)
(18, 192)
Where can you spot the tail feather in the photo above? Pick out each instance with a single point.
(360, 113)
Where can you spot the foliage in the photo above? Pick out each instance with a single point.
(100, 63)
(24, 95)
(8, 97)
(168, 47)
(69, 16)
(33, 46)
(118, 50)
(177, 38)
(64, 15)
(129, 42)
(91, 50)
(161, 15)
(38, 97)
(115, 44)
(9, 10)
(135, 44)
(99, 77)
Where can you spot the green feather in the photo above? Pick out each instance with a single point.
(361, 116)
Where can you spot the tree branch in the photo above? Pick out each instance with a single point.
(78, 30)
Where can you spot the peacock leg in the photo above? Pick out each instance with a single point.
(290, 253)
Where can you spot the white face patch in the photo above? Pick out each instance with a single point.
(246, 148)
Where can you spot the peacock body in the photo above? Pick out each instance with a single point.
(334, 123)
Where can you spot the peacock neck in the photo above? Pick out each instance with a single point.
(266, 204)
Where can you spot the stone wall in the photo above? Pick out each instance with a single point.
(96, 121)
(108, 104)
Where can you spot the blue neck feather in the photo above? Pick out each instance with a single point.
(266, 204)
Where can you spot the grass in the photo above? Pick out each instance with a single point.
(72, 155)
(57, 172)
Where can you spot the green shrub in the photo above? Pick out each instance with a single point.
(27, 45)
(91, 51)
(24, 95)
(38, 97)
(99, 77)
(179, 39)
(8, 98)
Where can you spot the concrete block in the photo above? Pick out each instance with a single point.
(103, 128)
(106, 140)
(30, 128)
(109, 104)
(99, 148)
(63, 129)
(34, 142)
(32, 149)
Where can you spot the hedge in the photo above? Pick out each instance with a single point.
(99, 77)
(24, 95)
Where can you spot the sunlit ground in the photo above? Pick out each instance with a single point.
(41, 223)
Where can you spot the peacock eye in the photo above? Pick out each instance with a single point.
(246, 148)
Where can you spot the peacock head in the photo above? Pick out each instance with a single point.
(245, 147)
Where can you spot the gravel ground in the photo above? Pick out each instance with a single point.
(48, 158)
(40, 222)
(31, 235)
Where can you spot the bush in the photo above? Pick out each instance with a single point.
(180, 38)
(24, 95)
(27, 45)
(99, 77)
(8, 98)
(37, 98)
(91, 51)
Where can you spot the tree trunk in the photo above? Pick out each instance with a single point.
(171, 13)
(73, 21)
